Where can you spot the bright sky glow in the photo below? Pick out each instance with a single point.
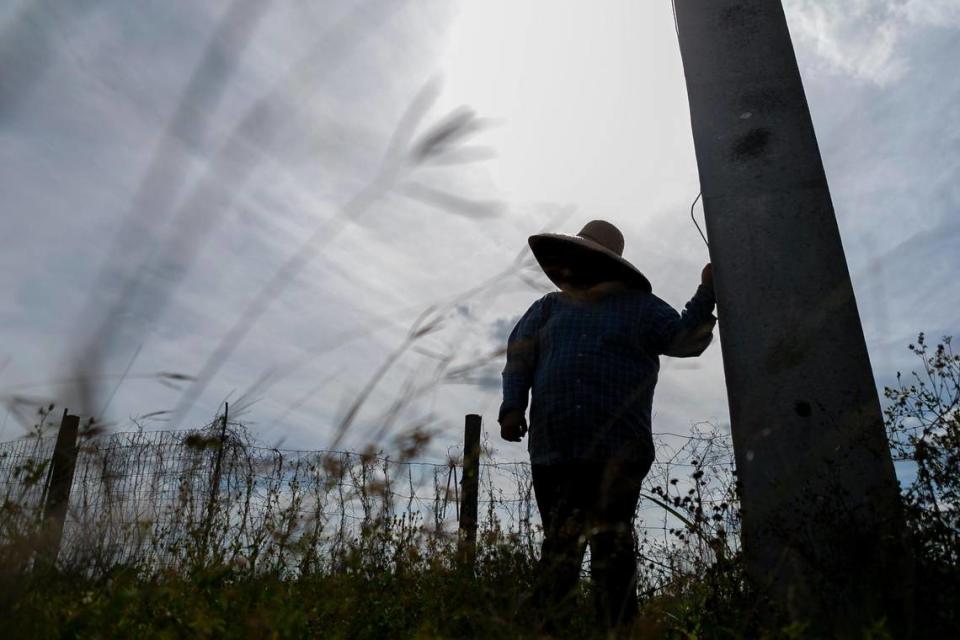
(592, 103)
(590, 116)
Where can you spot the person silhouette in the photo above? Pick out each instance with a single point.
(587, 356)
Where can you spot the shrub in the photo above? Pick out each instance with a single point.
(923, 425)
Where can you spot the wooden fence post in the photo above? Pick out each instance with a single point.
(62, 466)
(470, 492)
(217, 470)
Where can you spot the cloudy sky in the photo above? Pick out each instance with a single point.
(261, 202)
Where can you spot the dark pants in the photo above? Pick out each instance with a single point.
(583, 502)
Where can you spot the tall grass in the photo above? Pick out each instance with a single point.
(210, 512)
(337, 544)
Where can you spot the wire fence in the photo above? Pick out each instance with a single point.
(168, 499)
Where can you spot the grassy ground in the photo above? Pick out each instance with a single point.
(433, 601)
(397, 580)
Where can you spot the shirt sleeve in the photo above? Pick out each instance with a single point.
(522, 355)
(687, 334)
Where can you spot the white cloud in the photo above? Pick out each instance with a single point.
(932, 13)
(593, 115)
(866, 39)
(853, 37)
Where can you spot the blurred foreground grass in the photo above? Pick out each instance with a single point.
(395, 577)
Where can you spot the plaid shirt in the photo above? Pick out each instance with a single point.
(593, 366)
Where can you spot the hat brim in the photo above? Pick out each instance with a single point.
(575, 252)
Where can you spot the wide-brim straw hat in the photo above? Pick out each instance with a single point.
(598, 246)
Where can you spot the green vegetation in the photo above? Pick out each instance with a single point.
(242, 562)
(419, 597)
(923, 424)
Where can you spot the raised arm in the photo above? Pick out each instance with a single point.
(687, 334)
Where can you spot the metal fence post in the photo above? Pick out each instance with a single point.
(62, 466)
(471, 488)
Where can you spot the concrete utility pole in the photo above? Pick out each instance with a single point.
(822, 525)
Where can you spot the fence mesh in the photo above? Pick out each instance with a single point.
(165, 499)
